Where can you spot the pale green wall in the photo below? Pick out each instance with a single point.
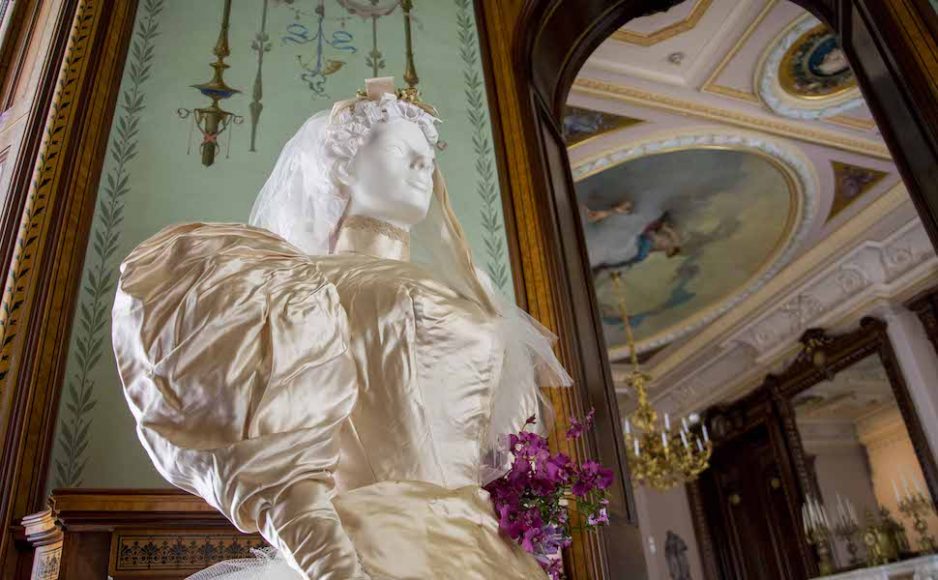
(149, 181)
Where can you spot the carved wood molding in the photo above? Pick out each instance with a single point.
(821, 357)
(145, 533)
(44, 270)
(43, 534)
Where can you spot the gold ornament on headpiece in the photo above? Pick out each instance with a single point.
(376, 87)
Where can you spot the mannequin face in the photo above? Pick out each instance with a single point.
(392, 175)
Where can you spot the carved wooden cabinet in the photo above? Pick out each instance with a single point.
(128, 534)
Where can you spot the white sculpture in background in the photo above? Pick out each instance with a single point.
(313, 382)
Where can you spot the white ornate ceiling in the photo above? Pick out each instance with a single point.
(757, 76)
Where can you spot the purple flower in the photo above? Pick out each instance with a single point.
(600, 517)
(577, 428)
(527, 499)
(554, 569)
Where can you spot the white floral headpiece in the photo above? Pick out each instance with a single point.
(350, 126)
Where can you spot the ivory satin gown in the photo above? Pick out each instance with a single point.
(339, 404)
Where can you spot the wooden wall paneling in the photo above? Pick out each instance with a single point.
(24, 161)
(534, 48)
(17, 40)
(129, 534)
(45, 268)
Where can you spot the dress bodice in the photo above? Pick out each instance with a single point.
(268, 381)
(428, 361)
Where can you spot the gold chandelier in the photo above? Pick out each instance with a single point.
(658, 456)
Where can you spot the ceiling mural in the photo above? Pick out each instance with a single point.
(850, 183)
(688, 229)
(580, 124)
(717, 290)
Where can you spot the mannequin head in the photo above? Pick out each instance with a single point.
(391, 175)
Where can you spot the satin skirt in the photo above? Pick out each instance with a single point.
(408, 530)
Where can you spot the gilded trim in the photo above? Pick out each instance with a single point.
(732, 93)
(636, 96)
(50, 165)
(710, 85)
(852, 122)
(669, 31)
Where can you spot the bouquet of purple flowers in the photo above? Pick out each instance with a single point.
(531, 499)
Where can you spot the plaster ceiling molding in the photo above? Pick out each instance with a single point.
(695, 391)
(657, 28)
(784, 102)
(788, 158)
(656, 98)
(854, 278)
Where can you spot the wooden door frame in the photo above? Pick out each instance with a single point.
(534, 50)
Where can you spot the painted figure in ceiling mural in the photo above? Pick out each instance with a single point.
(659, 235)
(685, 227)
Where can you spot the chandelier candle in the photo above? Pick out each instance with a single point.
(658, 456)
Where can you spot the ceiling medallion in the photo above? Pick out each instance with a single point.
(815, 66)
(805, 74)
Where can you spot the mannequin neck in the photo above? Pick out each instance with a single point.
(366, 235)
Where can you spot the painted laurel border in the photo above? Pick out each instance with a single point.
(91, 337)
(793, 161)
(35, 215)
(770, 89)
(477, 112)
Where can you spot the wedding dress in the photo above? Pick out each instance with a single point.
(311, 382)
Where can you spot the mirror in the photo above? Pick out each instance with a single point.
(859, 451)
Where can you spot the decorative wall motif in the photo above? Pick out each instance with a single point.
(675, 549)
(91, 339)
(487, 181)
(580, 124)
(666, 305)
(850, 183)
(148, 181)
(805, 75)
(174, 552)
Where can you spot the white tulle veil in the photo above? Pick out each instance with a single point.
(303, 202)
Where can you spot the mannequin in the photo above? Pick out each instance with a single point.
(314, 385)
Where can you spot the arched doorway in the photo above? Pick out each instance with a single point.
(536, 48)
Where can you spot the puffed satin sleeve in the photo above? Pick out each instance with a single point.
(233, 352)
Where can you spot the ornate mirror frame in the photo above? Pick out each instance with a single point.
(821, 357)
